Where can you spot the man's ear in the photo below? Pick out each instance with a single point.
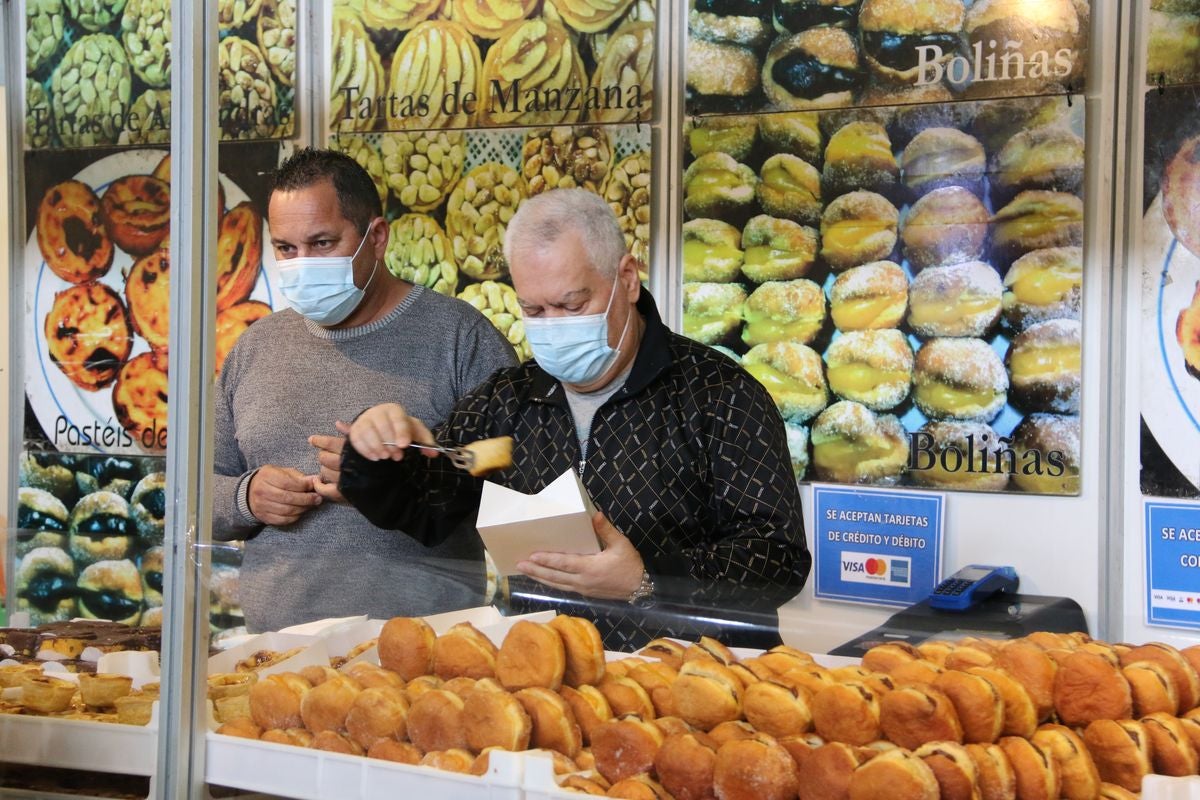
(627, 271)
(379, 232)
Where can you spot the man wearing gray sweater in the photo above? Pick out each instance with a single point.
(354, 337)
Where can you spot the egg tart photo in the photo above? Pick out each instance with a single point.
(873, 368)
(798, 133)
(88, 335)
(239, 254)
(852, 444)
(871, 297)
(735, 136)
(137, 213)
(779, 311)
(859, 157)
(539, 54)
(793, 375)
(147, 290)
(233, 322)
(716, 186)
(938, 157)
(858, 228)
(45, 585)
(1047, 447)
(946, 226)
(1043, 285)
(71, 233)
(790, 187)
(795, 16)
(140, 399)
(712, 312)
(955, 300)
(712, 251)
(1036, 219)
(1045, 362)
(818, 68)
(959, 455)
(777, 249)
(959, 379)
(893, 31)
(1049, 158)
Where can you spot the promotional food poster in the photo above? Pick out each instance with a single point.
(449, 195)
(1170, 340)
(798, 55)
(906, 282)
(442, 64)
(98, 72)
(97, 289)
(1173, 44)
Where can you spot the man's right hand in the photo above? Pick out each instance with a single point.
(383, 431)
(280, 495)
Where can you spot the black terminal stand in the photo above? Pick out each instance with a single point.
(1001, 616)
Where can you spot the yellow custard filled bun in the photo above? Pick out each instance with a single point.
(712, 312)
(874, 368)
(784, 311)
(960, 379)
(712, 251)
(1043, 285)
(955, 300)
(1045, 363)
(777, 249)
(852, 444)
(793, 375)
(871, 297)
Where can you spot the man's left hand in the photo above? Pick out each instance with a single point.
(611, 574)
(329, 456)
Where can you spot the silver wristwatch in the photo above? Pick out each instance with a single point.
(643, 595)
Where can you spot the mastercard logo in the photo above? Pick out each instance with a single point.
(876, 566)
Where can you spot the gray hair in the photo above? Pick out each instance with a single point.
(546, 217)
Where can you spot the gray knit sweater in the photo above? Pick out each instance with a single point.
(288, 378)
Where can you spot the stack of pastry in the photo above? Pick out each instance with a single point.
(103, 697)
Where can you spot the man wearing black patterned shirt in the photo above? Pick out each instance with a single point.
(681, 451)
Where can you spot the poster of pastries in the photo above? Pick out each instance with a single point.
(1173, 43)
(798, 55)
(97, 289)
(98, 72)
(449, 194)
(906, 282)
(1170, 341)
(444, 64)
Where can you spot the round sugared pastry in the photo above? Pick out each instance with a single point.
(994, 772)
(1173, 753)
(913, 715)
(148, 505)
(959, 455)
(955, 300)
(583, 647)
(1152, 688)
(858, 228)
(532, 654)
(717, 186)
(325, 707)
(1043, 285)
(1035, 769)
(1020, 712)
(747, 24)
(794, 16)
(798, 133)
(1181, 194)
(895, 774)
(151, 570)
(938, 157)
(733, 136)
(1038, 38)
(625, 747)
(859, 157)
(436, 721)
(464, 651)
(754, 768)
(406, 646)
(110, 590)
(88, 334)
(712, 312)
(50, 471)
(1080, 780)
(712, 251)
(1045, 365)
(790, 188)
(1050, 157)
(1000, 120)
(960, 379)
(100, 528)
(71, 233)
(777, 249)
(834, 119)
(784, 311)
(42, 519)
(685, 764)
(977, 704)
(1036, 219)
(871, 367)
(1183, 676)
(946, 226)
(45, 585)
(797, 442)
(851, 444)
(721, 77)
(920, 107)
(894, 31)
(952, 766)
(817, 68)
(871, 297)
(793, 375)
(1088, 687)
(1121, 750)
(1029, 665)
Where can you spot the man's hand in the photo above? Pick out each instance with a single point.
(611, 574)
(329, 456)
(281, 495)
(390, 423)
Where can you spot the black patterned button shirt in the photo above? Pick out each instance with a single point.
(688, 459)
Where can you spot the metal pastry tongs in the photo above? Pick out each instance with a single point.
(460, 457)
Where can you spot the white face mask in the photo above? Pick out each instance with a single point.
(575, 349)
(322, 288)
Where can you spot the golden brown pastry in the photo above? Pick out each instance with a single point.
(1020, 712)
(952, 767)
(398, 752)
(824, 769)
(784, 311)
(553, 724)
(1036, 219)
(1088, 687)
(88, 335)
(275, 700)
(1121, 750)
(977, 703)
(1047, 449)
(495, 719)
(706, 694)
(873, 368)
(790, 187)
(712, 312)
(721, 76)
(625, 747)
(590, 16)
(998, 121)
(962, 455)
(685, 764)
(858, 228)
(859, 158)
(798, 133)
(584, 649)
(1039, 39)
(817, 68)
(793, 375)
(532, 654)
(956, 300)
(777, 709)
(777, 249)
(919, 107)
(946, 226)
(995, 775)
(847, 712)
(1080, 779)
(147, 291)
(717, 186)
(1043, 285)
(325, 707)
(910, 716)
(851, 444)
(728, 23)
(477, 216)
(436, 721)
(1172, 750)
(1183, 675)
(464, 651)
(626, 696)
(377, 714)
(140, 399)
(754, 768)
(666, 650)
(406, 647)
(71, 233)
(959, 379)
(1045, 362)
(1030, 666)
(110, 590)
(712, 251)
(734, 136)
(537, 55)
(1187, 333)
(939, 157)
(232, 323)
(894, 31)
(239, 254)
(1035, 769)
(454, 760)
(437, 53)
(656, 679)
(895, 774)
(871, 297)
(639, 787)
(137, 213)
(1050, 157)
(101, 690)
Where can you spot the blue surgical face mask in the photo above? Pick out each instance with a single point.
(575, 349)
(322, 288)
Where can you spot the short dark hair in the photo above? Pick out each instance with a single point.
(357, 196)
